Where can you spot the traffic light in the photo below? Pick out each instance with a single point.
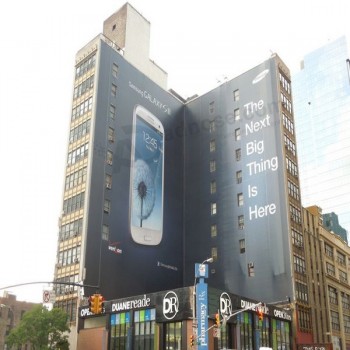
(92, 303)
(99, 303)
(217, 320)
(260, 314)
(96, 303)
(192, 340)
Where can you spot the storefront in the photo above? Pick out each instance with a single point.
(164, 320)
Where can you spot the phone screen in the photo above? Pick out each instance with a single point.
(147, 179)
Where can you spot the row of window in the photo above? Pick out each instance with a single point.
(82, 108)
(289, 144)
(336, 323)
(285, 83)
(85, 66)
(288, 124)
(295, 214)
(73, 203)
(80, 131)
(76, 178)
(286, 103)
(299, 264)
(341, 258)
(78, 154)
(301, 292)
(293, 190)
(65, 287)
(292, 168)
(71, 229)
(83, 87)
(69, 256)
(330, 270)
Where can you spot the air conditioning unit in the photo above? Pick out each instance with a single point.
(108, 185)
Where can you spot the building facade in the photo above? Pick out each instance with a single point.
(163, 320)
(321, 94)
(155, 184)
(11, 313)
(327, 259)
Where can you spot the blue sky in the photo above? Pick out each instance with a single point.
(197, 43)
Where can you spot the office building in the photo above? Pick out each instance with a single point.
(321, 94)
(155, 184)
(327, 258)
(331, 223)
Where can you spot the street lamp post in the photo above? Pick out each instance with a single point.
(200, 304)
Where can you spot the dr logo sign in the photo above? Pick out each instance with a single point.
(170, 305)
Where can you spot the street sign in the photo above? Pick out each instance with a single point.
(49, 296)
(46, 296)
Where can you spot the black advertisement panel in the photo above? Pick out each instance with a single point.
(236, 200)
(136, 184)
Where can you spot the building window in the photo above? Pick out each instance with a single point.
(299, 264)
(297, 238)
(341, 258)
(236, 95)
(236, 114)
(212, 166)
(114, 90)
(242, 246)
(335, 320)
(328, 250)
(212, 146)
(110, 134)
(346, 320)
(213, 187)
(239, 176)
(333, 298)
(105, 232)
(213, 230)
(109, 157)
(238, 154)
(345, 298)
(238, 134)
(108, 181)
(120, 328)
(112, 112)
(212, 107)
(240, 199)
(241, 222)
(212, 126)
(114, 70)
(330, 269)
(251, 272)
(213, 208)
(107, 206)
(343, 276)
(214, 253)
(173, 336)
(301, 292)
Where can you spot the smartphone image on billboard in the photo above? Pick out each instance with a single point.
(146, 178)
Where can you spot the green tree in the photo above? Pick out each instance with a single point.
(42, 328)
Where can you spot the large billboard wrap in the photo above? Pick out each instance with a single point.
(139, 213)
(235, 169)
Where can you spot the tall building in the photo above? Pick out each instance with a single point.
(321, 94)
(155, 184)
(119, 93)
(331, 223)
